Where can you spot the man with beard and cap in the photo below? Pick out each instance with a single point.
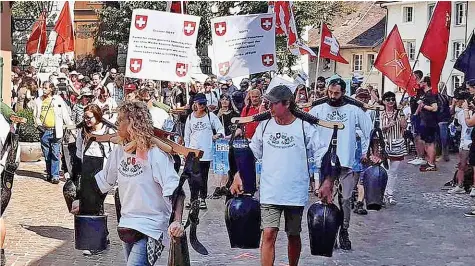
(321, 90)
(337, 110)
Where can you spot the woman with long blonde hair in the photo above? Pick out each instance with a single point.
(146, 181)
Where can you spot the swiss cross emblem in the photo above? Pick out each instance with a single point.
(181, 69)
(135, 65)
(140, 22)
(266, 23)
(220, 28)
(268, 60)
(223, 68)
(189, 27)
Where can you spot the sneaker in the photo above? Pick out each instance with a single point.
(448, 185)
(417, 161)
(470, 214)
(344, 239)
(427, 168)
(472, 192)
(55, 181)
(359, 208)
(217, 193)
(203, 205)
(391, 200)
(457, 190)
(188, 205)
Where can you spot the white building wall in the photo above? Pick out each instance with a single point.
(415, 31)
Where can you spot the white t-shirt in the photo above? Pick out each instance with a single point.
(285, 174)
(465, 138)
(350, 116)
(158, 116)
(94, 149)
(145, 188)
(199, 133)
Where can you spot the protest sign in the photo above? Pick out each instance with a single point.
(220, 156)
(279, 80)
(161, 45)
(243, 45)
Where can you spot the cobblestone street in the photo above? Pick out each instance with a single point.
(427, 227)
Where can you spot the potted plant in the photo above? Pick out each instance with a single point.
(30, 146)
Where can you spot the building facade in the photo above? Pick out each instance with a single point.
(412, 19)
(360, 34)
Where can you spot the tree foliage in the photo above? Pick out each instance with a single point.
(31, 9)
(115, 19)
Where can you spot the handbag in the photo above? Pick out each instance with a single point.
(396, 148)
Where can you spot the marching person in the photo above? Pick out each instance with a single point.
(225, 114)
(284, 143)
(321, 89)
(146, 181)
(106, 103)
(357, 168)
(336, 110)
(202, 127)
(427, 109)
(253, 107)
(93, 156)
(51, 113)
(393, 130)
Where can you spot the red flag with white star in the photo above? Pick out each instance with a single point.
(393, 62)
(436, 41)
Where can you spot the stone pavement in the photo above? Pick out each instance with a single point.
(427, 227)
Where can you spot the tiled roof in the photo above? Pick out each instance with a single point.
(364, 26)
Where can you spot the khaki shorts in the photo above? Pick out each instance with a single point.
(270, 217)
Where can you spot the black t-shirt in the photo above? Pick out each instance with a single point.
(429, 118)
(226, 121)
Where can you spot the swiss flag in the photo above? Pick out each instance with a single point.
(393, 62)
(37, 42)
(329, 46)
(64, 29)
(436, 41)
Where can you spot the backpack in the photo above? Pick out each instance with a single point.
(238, 98)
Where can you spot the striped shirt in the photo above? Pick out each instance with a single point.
(393, 133)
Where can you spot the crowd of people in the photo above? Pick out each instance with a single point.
(201, 112)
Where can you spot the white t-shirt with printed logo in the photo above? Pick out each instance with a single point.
(199, 133)
(145, 187)
(285, 172)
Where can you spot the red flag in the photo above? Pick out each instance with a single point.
(285, 25)
(392, 61)
(175, 6)
(37, 42)
(329, 46)
(64, 29)
(436, 41)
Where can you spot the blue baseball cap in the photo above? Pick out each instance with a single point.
(200, 98)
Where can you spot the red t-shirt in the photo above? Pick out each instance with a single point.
(250, 128)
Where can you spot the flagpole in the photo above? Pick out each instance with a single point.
(318, 59)
(466, 23)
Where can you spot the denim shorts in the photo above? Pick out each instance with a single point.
(357, 165)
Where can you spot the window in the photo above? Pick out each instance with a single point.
(457, 49)
(371, 58)
(430, 11)
(456, 82)
(357, 62)
(460, 13)
(407, 14)
(410, 46)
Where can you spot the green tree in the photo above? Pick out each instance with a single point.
(115, 19)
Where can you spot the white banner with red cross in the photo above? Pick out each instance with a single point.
(243, 45)
(161, 45)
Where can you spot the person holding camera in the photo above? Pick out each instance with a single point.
(51, 114)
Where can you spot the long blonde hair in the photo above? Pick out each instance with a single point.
(140, 127)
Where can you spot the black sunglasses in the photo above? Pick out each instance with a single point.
(88, 117)
(390, 99)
